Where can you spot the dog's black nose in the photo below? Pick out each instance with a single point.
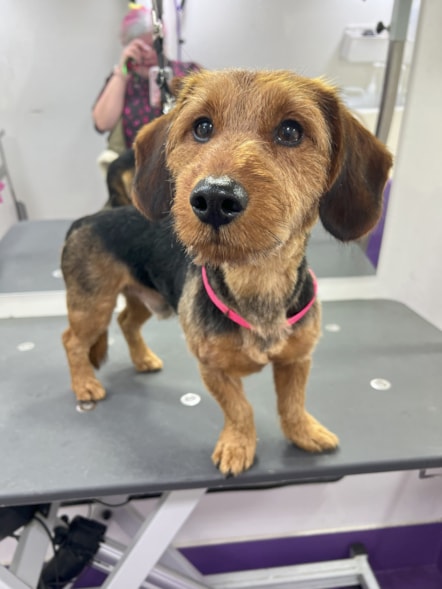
(218, 201)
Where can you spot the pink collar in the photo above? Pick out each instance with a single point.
(238, 319)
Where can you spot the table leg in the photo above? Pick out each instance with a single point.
(10, 581)
(31, 551)
(153, 539)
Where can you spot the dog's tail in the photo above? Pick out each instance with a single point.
(98, 352)
(119, 180)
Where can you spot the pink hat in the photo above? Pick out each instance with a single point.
(138, 21)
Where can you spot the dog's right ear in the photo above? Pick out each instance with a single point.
(360, 164)
(152, 191)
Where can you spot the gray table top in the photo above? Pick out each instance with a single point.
(330, 258)
(142, 439)
(30, 256)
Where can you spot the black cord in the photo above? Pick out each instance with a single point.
(48, 532)
(54, 547)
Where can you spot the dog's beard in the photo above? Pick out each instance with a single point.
(230, 243)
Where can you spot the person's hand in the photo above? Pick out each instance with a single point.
(139, 53)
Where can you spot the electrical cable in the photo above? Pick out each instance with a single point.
(54, 548)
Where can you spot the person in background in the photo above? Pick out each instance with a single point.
(126, 101)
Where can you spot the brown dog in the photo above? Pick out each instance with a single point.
(238, 174)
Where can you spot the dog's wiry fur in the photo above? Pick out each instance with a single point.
(271, 194)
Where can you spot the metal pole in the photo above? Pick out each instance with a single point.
(398, 36)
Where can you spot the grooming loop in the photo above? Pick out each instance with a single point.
(167, 99)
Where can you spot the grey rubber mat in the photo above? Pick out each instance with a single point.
(142, 438)
(30, 256)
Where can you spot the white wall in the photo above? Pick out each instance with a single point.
(355, 502)
(410, 265)
(54, 57)
(293, 34)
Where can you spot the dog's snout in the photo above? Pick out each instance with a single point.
(218, 201)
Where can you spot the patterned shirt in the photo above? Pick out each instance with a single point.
(137, 110)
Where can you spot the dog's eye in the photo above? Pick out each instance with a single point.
(289, 133)
(202, 129)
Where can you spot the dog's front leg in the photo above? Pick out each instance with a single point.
(299, 426)
(236, 446)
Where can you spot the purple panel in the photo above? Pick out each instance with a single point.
(390, 548)
(89, 578)
(375, 240)
(428, 577)
(408, 557)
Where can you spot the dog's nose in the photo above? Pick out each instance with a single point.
(218, 201)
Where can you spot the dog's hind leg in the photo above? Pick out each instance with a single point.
(85, 342)
(131, 320)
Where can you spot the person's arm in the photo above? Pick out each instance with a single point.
(109, 106)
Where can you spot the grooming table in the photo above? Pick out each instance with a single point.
(144, 438)
(330, 258)
(30, 256)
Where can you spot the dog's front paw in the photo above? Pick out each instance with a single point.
(148, 363)
(89, 390)
(310, 435)
(234, 453)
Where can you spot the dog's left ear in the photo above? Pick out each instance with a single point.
(152, 190)
(359, 170)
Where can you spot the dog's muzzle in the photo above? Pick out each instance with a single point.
(218, 201)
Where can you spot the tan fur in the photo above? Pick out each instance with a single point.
(127, 178)
(224, 360)
(336, 172)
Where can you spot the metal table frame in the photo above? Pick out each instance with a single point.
(150, 561)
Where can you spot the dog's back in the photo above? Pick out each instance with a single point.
(96, 244)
